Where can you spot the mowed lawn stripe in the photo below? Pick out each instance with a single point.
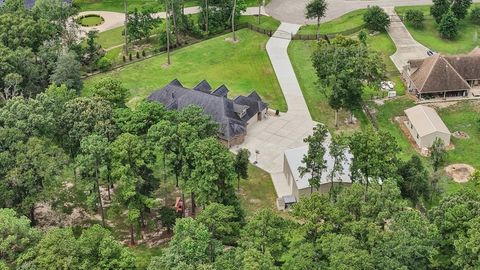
(242, 67)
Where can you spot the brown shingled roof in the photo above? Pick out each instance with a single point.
(468, 66)
(436, 74)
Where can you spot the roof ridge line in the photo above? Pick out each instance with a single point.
(430, 71)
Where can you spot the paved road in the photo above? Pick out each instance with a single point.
(293, 11)
(117, 19)
(407, 47)
(279, 133)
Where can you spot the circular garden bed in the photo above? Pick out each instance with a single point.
(90, 20)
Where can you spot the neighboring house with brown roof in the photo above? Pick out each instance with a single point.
(232, 116)
(425, 125)
(444, 76)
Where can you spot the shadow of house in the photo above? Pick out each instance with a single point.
(232, 116)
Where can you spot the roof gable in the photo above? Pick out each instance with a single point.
(203, 86)
(436, 74)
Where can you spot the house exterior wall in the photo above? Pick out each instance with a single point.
(427, 140)
(234, 141)
(413, 132)
(324, 189)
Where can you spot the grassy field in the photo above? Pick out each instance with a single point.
(257, 192)
(154, 5)
(242, 66)
(430, 37)
(346, 22)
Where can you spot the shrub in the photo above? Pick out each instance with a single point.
(475, 15)
(138, 55)
(376, 18)
(130, 56)
(143, 53)
(414, 17)
(104, 64)
(448, 27)
(124, 58)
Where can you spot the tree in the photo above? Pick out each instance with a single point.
(67, 72)
(241, 165)
(314, 160)
(139, 120)
(448, 26)
(12, 86)
(337, 150)
(58, 249)
(376, 19)
(167, 25)
(16, 235)
(475, 15)
(410, 243)
(93, 51)
(317, 9)
(222, 222)
(265, 232)
(168, 217)
(233, 20)
(414, 182)
(460, 8)
(363, 36)
(55, 11)
(84, 116)
(414, 17)
(374, 157)
(254, 259)
(190, 245)
(344, 67)
(438, 154)
(100, 250)
(466, 247)
(94, 152)
(439, 9)
(36, 166)
(140, 24)
(210, 179)
(131, 159)
(111, 90)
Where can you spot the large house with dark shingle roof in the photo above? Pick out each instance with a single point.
(444, 76)
(233, 116)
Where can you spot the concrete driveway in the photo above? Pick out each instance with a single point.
(407, 47)
(293, 11)
(276, 134)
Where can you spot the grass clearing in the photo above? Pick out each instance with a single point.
(258, 191)
(430, 37)
(144, 254)
(111, 38)
(242, 66)
(346, 22)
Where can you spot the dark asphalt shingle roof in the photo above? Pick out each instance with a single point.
(226, 112)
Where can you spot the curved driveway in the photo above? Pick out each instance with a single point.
(293, 11)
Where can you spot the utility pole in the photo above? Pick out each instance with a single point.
(125, 29)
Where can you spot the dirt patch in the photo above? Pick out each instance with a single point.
(441, 105)
(230, 39)
(460, 172)
(460, 135)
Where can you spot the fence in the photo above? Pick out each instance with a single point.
(330, 35)
(141, 55)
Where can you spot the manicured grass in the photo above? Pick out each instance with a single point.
(91, 20)
(110, 38)
(258, 191)
(464, 116)
(242, 66)
(346, 22)
(430, 37)
(144, 254)
(266, 22)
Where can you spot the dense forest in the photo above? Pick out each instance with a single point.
(85, 179)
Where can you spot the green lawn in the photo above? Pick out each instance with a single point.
(258, 191)
(242, 66)
(144, 254)
(91, 20)
(266, 22)
(110, 38)
(430, 37)
(346, 22)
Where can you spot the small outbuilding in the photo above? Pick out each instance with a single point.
(425, 125)
(300, 186)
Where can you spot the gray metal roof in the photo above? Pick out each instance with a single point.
(224, 111)
(294, 159)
